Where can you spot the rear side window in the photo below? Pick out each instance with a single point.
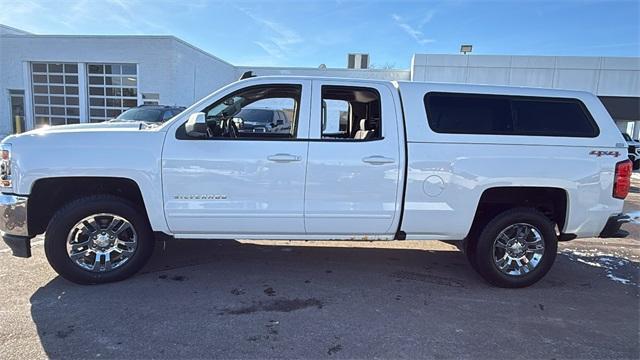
(552, 118)
(448, 113)
(508, 115)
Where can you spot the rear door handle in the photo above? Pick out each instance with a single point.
(378, 160)
(283, 158)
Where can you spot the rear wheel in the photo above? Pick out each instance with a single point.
(515, 249)
(98, 239)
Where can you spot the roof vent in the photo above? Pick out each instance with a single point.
(358, 61)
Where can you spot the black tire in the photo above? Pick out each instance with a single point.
(65, 218)
(469, 250)
(481, 255)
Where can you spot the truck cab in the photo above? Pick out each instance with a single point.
(335, 172)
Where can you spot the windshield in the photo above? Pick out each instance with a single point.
(256, 115)
(141, 114)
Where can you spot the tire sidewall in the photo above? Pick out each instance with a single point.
(67, 217)
(484, 249)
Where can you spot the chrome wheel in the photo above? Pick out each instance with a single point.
(101, 242)
(518, 249)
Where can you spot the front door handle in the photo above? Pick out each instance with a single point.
(283, 158)
(378, 160)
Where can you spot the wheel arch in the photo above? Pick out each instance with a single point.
(47, 195)
(553, 202)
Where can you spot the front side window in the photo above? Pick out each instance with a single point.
(261, 112)
(508, 115)
(265, 116)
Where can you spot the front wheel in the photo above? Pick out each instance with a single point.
(98, 239)
(515, 249)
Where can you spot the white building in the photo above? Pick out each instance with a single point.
(58, 79)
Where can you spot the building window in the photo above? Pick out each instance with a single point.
(55, 94)
(151, 98)
(113, 88)
(16, 98)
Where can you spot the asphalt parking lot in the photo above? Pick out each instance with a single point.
(405, 299)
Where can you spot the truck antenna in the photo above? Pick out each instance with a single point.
(246, 75)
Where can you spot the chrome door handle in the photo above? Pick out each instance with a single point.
(378, 160)
(283, 158)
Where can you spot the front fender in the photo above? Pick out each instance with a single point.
(130, 154)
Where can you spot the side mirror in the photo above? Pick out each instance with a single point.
(196, 126)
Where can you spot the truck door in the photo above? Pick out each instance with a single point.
(245, 175)
(354, 161)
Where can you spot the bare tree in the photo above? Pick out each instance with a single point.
(385, 66)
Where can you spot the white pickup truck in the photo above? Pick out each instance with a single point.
(505, 172)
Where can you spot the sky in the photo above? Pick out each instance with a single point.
(310, 33)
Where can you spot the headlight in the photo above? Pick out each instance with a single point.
(5, 166)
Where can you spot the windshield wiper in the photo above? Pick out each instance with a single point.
(121, 120)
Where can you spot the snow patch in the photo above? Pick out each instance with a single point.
(591, 263)
(618, 279)
(611, 263)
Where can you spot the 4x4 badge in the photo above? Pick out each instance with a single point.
(599, 153)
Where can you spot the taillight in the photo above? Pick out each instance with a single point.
(622, 179)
